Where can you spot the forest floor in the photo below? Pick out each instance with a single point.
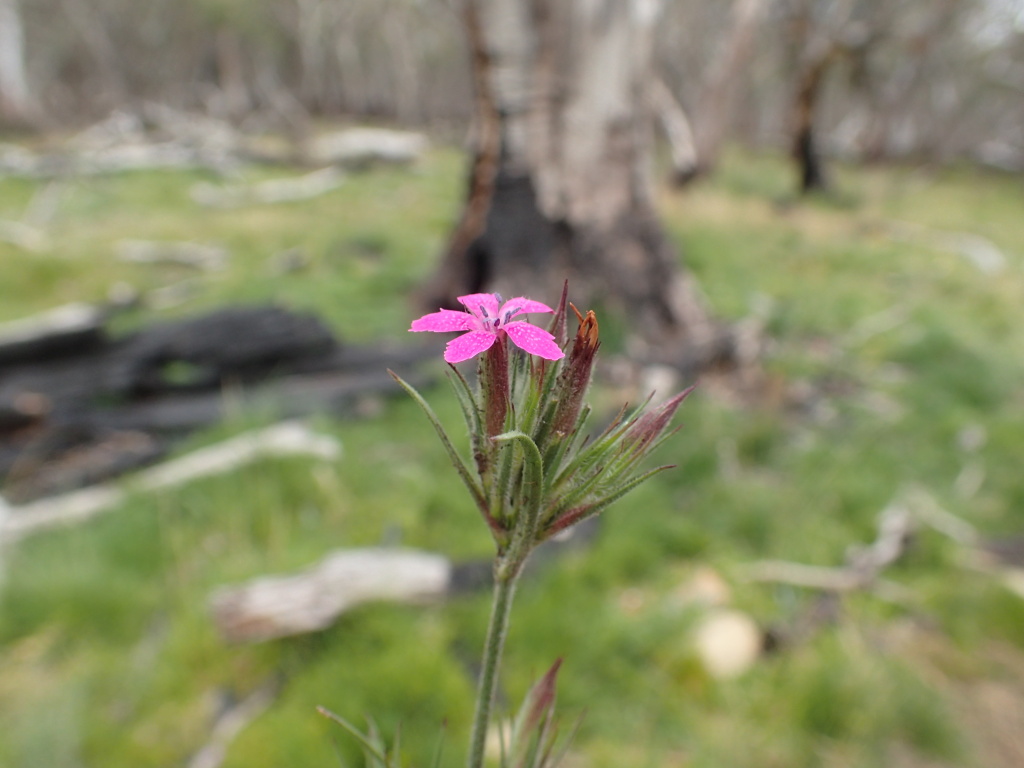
(894, 375)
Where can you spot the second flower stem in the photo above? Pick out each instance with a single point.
(497, 629)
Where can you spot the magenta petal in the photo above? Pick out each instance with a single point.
(520, 305)
(474, 301)
(445, 320)
(467, 345)
(534, 340)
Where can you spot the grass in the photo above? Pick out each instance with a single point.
(901, 346)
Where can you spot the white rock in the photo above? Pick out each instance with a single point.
(728, 643)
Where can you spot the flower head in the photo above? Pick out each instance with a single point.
(486, 320)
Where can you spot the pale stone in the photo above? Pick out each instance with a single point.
(728, 643)
(705, 588)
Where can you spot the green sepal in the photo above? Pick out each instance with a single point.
(533, 489)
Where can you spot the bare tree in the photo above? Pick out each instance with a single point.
(715, 106)
(815, 40)
(560, 180)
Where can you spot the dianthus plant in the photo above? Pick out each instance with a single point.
(533, 472)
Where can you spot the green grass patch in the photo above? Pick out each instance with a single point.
(898, 343)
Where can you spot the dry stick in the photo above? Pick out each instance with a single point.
(285, 190)
(279, 606)
(203, 256)
(285, 439)
(230, 724)
(863, 567)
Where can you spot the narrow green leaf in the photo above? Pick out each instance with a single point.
(470, 409)
(366, 741)
(460, 465)
(561, 523)
(439, 749)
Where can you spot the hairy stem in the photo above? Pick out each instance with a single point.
(497, 629)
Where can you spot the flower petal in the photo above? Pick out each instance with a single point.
(445, 320)
(467, 345)
(520, 305)
(534, 340)
(483, 305)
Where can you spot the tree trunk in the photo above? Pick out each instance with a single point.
(805, 149)
(678, 133)
(17, 105)
(818, 41)
(714, 109)
(560, 181)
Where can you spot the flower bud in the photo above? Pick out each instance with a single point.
(645, 431)
(575, 377)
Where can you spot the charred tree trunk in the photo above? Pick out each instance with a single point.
(560, 182)
(821, 35)
(805, 152)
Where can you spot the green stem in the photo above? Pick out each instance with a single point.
(497, 629)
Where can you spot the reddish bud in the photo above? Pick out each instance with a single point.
(575, 377)
(540, 698)
(643, 432)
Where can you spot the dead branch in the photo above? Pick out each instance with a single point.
(285, 439)
(24, 236)
(978, 250)
(183, 141)
(70, 326)
(287, 190)
(231, 723)
(864, 565)
(209, 258)
(279, 606)
(361, 147)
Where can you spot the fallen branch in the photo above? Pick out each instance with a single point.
(231, 723)
(285, 439)
(864, 565)
(70, 326)
(981, 252)
(360, 147)
(280, 606)
(271, 191)
(184, 141)
(210, 258)
(23, 236)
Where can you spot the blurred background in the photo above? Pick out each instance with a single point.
(936, 81)
(217, 219)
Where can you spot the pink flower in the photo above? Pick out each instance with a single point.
(486, 321)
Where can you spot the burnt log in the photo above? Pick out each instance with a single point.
(60, 331)
(79, 407)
